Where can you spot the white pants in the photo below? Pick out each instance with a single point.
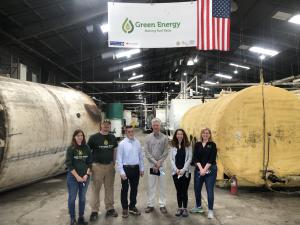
(153, 182)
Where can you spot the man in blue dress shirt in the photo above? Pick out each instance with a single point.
(130, 162)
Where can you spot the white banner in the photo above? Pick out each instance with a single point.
(157, 25)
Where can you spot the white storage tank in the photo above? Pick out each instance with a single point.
(36, 126)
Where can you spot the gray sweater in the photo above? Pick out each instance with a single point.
(187, 161)
(156, 147)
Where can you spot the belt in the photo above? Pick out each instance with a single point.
(130, 166)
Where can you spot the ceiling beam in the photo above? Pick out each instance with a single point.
(61, 22)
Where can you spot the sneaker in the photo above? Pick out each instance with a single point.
(81, 221)
(135, 211)
(163, 210)
(73, 222)
(94, 216)
(185, 213)
(125, 213)
(179, 212)
(149, 209)
(197, 210)
(210, 214)
(112, 213)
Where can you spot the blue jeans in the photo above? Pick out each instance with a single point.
(209, 180)
(75, 187)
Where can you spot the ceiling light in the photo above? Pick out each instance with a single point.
(196, 59)
(190, 62)
(136, 77)
(128, 53)
(185, 73)
(295, 19)
(236, 71)
(172, 90)
(89, 28)
(263, 51)
(104, 28)
(209, 82)
(132, 67)
(176, 83)
(133, 74)
(176, 70)
(204, 88)
(240, 66)
(281, 16)
(223, 76)
(262, 57)
(138, 84)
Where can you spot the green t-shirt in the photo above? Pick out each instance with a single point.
(79, 158)
(103, 147)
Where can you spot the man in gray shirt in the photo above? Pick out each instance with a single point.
(156, 151)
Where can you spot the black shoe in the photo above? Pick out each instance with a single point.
(94, 216)
(163, 210)
(179, 212)
(135, 211)
(112, 212)
(73, 222)
(149, 209)
(81, 221)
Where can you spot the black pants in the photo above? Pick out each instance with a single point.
(133, 177)
(182, 185)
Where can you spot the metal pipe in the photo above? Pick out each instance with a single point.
(247, 84)
(191, 81)
(196, 85)
(139, 103)
(167, 111)
(283, 80)
(127, 92)
(145, 114)
(121, 82)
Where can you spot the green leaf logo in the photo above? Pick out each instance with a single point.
(127, 26)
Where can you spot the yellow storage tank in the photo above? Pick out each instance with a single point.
(257, 131)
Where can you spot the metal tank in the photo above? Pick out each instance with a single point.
(257, 132)
(36, 126)
(114, 112)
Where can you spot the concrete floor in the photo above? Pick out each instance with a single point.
(46, 203)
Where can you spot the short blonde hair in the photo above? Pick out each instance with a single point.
(209, 131)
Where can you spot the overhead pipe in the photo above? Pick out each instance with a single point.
(121, 82)
(246, 84)
(287, 79)
(127, 92)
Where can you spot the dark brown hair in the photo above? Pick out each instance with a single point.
(73, 142)
(185, 141)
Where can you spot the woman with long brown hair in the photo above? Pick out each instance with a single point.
(78, 161)
(204, 159)
(181, 157)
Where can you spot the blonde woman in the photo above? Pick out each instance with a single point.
(204, 159)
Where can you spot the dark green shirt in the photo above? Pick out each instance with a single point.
(79, 158)
(103, 147)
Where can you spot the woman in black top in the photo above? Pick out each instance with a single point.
(204, 159)
(78, 161)
(181, 157)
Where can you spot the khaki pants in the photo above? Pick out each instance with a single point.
(154, 183)
(102, 174)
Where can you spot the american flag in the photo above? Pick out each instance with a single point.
(213, 24)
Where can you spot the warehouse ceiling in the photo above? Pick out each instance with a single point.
(67, 33)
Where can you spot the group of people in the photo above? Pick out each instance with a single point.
(97, 158)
